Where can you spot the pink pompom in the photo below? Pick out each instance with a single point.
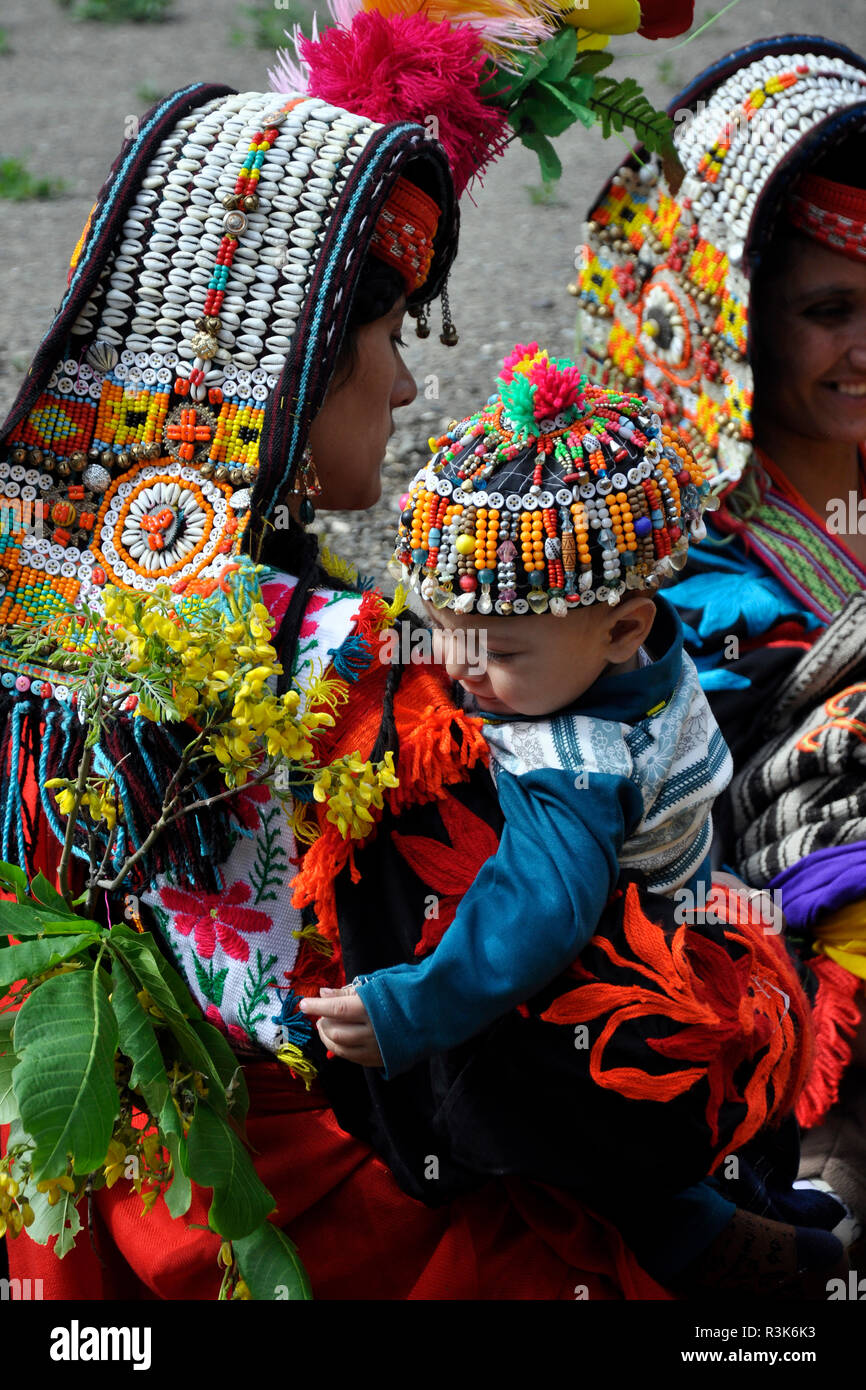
(517, 354)
(556, 388)
(405, 68)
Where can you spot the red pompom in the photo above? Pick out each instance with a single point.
(664, 19)
(405, 68)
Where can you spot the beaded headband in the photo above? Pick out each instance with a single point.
(664, 272)
(832, 213)
(403, 235)
(558, 494)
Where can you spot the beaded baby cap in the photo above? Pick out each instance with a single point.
(664, 272)
(171, 399)
(558, 494)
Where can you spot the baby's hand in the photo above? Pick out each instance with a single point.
(344, 1026)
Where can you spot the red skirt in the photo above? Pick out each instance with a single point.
(358, 1234)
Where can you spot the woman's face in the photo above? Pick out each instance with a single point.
(350, 433)
(810, 363)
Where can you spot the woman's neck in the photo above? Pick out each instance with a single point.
(820, 470)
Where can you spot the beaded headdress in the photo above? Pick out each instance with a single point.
(664, 272)
(558, 494)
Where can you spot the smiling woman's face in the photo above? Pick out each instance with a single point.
(810, 359)
(349, 435)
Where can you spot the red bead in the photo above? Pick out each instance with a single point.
(674, 533)
(468, 582)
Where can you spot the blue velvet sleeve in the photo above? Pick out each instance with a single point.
(529, 913)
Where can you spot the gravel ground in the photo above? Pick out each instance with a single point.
(70, 88)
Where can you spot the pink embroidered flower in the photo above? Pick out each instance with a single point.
(216, 918)
(557, 388)
(245, 803)
(232, 1030)
(277, 597)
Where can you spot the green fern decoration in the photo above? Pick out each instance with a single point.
(624, 103)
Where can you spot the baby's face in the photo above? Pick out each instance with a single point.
(535, 664)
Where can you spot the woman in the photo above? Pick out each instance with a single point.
(736, 294)
(172, 302)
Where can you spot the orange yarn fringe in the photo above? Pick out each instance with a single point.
(836, 1016)
(730, 1011)
(438, 747)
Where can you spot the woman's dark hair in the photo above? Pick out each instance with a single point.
(379, 287)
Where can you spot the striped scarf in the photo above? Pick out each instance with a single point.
(780, 528)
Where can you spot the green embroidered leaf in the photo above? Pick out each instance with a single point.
(218, 1159)
(270, 1265)
(619, 104)
(211, 981)
(255, 1002)
(62, 1220)
(138, 1040)
(269, 870)
(592, 61)
(8, 1103)
(66, 1095)
(33, 957)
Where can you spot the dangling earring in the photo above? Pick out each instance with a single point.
(307, 485)
(418, 312)
(448, 336)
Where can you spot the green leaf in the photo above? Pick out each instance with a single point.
(13, 880)
(33, 957)
(138, 1041)
(270, 1265)
(178, 1196)
(62, 1220)
(551, 167)
(593, 60)
(138, 952)
(619, 104)
(45, 893)
(8, 1103)
(66, 1037)
(218, 1159)
(559, 55)
(231, 1073)
(28, 919)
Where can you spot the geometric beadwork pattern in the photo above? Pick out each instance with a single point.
(663, 273)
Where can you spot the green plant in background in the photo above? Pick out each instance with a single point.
(18, 184)
(148, 95)
(266, 26)
(667, 73)
(118, 11)
(142, 1086)
(5, 50)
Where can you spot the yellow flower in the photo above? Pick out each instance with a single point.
(54, 1186)
(148, 1199)
(115, 1161)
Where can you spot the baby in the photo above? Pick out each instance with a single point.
(547, 521)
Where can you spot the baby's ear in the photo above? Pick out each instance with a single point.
(630, 626)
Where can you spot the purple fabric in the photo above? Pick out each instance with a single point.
(822, 882)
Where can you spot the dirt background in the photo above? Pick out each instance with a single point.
(69, 88)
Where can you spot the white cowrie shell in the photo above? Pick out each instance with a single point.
(118, 282)
(274, 362)
(152, 181)
(277, 344)
(268, 276)
(301, 236)
(250, 342)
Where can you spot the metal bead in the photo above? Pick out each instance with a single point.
(123, 459)
(153, 450)
(36, 458)
(221, 474)
(19, 455)
(250, 203)
(78, 459)
(106, 458)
